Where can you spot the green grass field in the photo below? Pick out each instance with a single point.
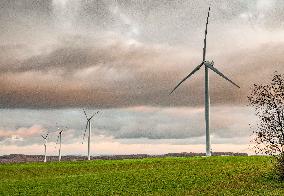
(157, 176)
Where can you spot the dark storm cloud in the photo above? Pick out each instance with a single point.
(121, 74)
(77, 53)
(127, 53)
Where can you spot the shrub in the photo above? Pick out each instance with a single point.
(280, 166)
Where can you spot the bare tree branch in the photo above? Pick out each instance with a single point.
(268, 102)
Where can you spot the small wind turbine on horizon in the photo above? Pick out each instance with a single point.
(89, 127)
(45, 143)
(207, 65)
(59, 139)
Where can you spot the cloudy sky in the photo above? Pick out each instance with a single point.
(123, 58)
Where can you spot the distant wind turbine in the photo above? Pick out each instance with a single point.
(59, 139)
(45, 143)
(89, 127)
(207, 65)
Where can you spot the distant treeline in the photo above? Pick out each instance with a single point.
(21, 158)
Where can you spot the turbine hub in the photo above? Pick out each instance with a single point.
(209, 63)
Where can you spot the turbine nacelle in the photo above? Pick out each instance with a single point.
(207, 63)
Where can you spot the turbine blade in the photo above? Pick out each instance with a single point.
(85, 132)
(204, 47)
(85, 114)
(92, 117)
(195, 70)
(220, 74)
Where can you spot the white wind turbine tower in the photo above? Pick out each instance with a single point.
(89, 127)
(207, 65)
(59, 138)
(45, 143)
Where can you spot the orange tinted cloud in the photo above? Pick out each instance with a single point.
(22, 132)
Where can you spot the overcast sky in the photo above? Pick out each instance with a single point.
(123, 58)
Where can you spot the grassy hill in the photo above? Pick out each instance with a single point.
(155, 176)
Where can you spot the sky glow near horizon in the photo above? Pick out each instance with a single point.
(123, 58)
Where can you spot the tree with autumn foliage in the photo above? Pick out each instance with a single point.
(268, 102)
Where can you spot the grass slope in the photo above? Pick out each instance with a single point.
(158, 176)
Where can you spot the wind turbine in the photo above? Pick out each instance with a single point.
(59, 138)
(45, 142)
(89, 127)
(207, 65)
